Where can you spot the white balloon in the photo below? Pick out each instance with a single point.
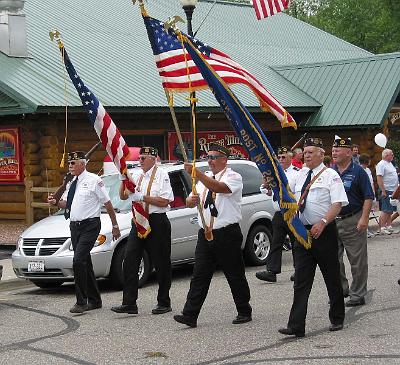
(380, 140)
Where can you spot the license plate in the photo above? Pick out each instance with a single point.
(35, 266)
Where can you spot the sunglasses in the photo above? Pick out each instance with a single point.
(281, 157)
(214, 157)
(71, 163)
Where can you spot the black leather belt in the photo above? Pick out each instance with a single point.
(88, 220)
(341, 217)
(229, 226)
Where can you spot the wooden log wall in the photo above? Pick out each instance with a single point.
(43, 144)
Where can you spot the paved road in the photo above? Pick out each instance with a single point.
(36, 327)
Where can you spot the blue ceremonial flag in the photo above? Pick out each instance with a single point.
(254, 140)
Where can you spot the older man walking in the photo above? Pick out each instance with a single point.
(352, 221)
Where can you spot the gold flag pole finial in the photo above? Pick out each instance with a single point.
(56, 35)
(171, 23)
(142, 8)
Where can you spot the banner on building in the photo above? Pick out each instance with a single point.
(228, 139)
(11, 163)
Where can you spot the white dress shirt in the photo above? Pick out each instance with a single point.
(90, 196)
(227, 204)
(326, 190)
(160, 188)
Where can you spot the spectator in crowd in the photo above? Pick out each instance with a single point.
(386, 176)
(355, 152)
(297, 159)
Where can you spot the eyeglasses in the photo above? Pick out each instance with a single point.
(281, 157)
(142, 158)
(71, 163)
(214, 157)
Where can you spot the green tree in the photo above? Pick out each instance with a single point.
(369, 24)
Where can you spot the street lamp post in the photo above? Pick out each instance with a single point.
(189, 6)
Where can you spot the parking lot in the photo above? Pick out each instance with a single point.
(36, 327)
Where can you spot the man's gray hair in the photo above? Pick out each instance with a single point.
(385, 152)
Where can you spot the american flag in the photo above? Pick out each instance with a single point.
(266, 8)
(170, 60)
(107, 131)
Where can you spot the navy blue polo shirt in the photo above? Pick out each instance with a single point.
(358, 188)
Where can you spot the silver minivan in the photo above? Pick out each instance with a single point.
(44, 251)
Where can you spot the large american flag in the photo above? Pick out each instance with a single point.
(170, 60)
(266, 8)
(105, 128)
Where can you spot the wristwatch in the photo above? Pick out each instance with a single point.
(324, 220)
(115, 226)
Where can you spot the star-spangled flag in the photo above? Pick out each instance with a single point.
(111, 140)
(104, 126)
(173, 65)
(266, 8)
(255, 142)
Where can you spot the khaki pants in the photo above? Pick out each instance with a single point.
(355, 244)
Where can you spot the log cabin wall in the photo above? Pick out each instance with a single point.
(43, 142)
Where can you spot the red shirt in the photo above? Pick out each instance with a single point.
(297, 163)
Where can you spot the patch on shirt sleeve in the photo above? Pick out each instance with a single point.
(336, 180)
(100, 183)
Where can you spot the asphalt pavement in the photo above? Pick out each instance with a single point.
(36, 326)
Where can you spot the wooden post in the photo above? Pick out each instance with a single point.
(28, 202)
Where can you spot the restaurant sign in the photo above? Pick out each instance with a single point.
(225, 138)
(11, 166)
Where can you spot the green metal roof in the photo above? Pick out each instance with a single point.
(108, 45)
(353, 92)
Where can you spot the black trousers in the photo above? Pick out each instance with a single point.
(224, 250)
(83, 237)
(324, 253)
(280, 231)
(158, 246)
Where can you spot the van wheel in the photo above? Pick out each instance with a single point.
(47, 284)
(116, 275)
(258, 244)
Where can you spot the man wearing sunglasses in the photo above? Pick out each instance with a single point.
(82, 201)
(153, 194)
(281, 229)
(219, 193)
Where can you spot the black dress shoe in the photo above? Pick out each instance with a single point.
(336, 327)
(189, 321)
(292, 277)
(241, 319)
(291, 332)
(398, 281)
(161, 309)
(124, 308)
(78, 308)
(355, 302)
(94, 305)
(266, 276)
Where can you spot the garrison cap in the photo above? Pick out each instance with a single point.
(148, 151)
(342, 142)
(284, 149)
(77, 155)
(316, 142)
(219, 148)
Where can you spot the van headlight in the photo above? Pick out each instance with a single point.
(100, 240)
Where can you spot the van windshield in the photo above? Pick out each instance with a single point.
(112, 184)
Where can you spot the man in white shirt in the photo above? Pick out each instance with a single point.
(281, 229)
(153, 192)
(82, 201)
(388, 181)
(321, 195)
(219, 191)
